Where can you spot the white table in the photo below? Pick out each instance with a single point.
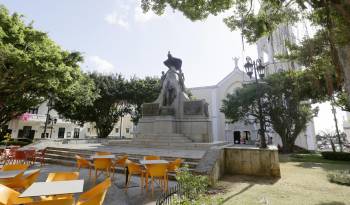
(10, 174)
(54, 188)
(102, 156)
(145, 162)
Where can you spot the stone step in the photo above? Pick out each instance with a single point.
(182, 141)
(160, 136)
(70, 153)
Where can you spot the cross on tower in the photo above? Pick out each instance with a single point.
(236, 62)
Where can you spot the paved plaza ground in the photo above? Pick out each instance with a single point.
(196, 154)
(116, 194)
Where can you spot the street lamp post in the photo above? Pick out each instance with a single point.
(49, 105)
(52, 121)
(258, 69)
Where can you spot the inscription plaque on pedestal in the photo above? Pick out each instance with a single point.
(150, 109)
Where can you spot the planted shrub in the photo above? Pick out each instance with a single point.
(342, 156)
(340, 177)
(193, 189)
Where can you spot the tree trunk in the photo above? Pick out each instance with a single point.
(287, 148)
(103, 130)
(344, 60)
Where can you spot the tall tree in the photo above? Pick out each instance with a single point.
(33, 68)
(260, 18)
(284, 105)
(142, 91)
(107, 107)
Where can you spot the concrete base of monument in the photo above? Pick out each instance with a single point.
(194, 128)
(242, 160)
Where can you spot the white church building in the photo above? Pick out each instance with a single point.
(222, 130)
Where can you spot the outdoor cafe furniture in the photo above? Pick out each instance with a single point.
(10, 196)
(157, 171)
(10, 167)
(106, 156)
(120, 162)
(23, 180)
(174, 165)
(151, 157)
(30, 153)
(102, 164)
(53, 202)
(40, 156)
(20, 156)
(103, 153)
(84, 163)
(62, 176)
(95, 195)
(54, 188)
(134, 169)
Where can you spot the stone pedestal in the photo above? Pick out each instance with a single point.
(173, 113)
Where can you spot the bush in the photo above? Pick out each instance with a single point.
(340, 177)
(10, 141)
(193, 189)
(341, 156)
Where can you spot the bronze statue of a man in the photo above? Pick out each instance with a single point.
(173, 62)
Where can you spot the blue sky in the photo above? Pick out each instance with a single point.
(115, 36)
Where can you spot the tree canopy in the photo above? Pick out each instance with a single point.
(256, 19)
(34, 68)
(116, 97)
(284, 105)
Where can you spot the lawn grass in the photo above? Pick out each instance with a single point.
(301, 183)
(310, 157)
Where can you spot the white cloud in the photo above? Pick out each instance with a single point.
(142, 17)
(96, 63)
(115, 19)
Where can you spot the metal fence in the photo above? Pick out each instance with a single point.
(166, 197)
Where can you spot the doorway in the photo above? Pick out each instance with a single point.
(237, 137)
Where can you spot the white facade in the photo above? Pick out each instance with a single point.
(225, 131)
(33, 126)
(267, 48)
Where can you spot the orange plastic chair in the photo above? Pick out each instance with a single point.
(53, 202)
(174, 165)
(102, 165)
(62, 176)
(84, 163)
(135, 169)
(22, 182)
(151, 157)
(96, 195)
(103, 153)
(12, 167)
(157, 171)
(9, 196)
(120, 162)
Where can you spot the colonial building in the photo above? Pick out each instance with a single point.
(32, 125)
(240, 132)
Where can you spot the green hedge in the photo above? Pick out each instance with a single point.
(20, 142)
(341, 156)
